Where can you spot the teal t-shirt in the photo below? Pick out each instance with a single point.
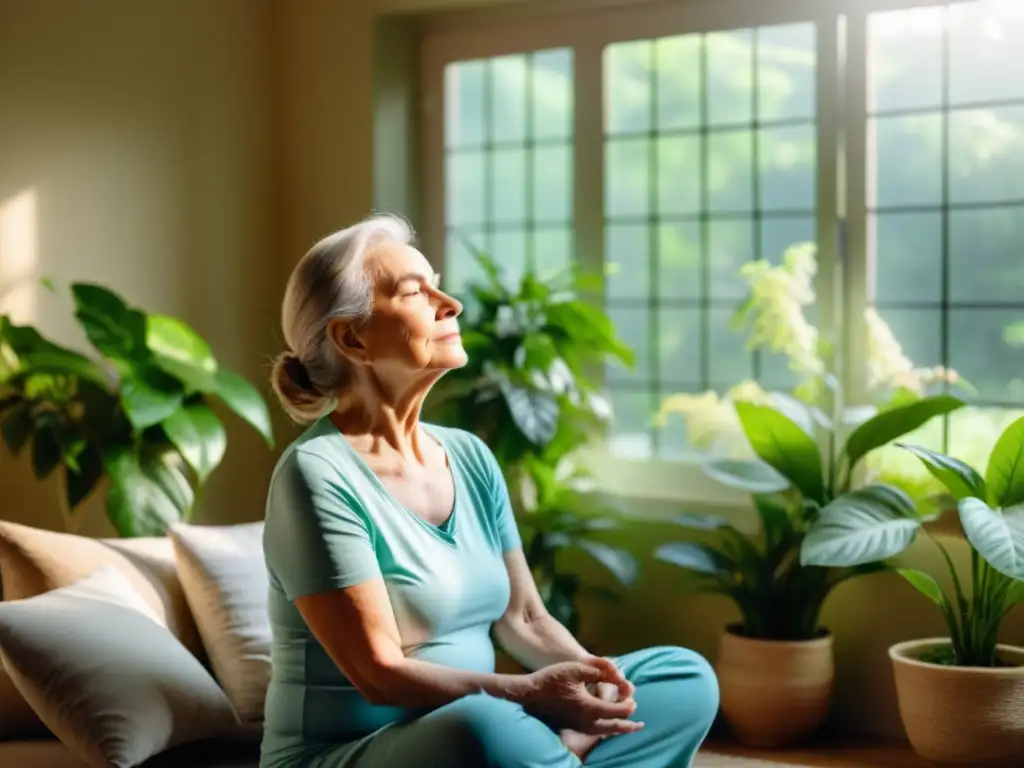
(331, 523)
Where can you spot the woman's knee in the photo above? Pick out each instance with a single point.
(473, 725)
(695, 673)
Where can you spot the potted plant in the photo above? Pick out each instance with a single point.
(528, 391)
(775, 666)
(138, 417)
(961, 698)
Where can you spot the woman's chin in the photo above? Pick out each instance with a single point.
(450, 359)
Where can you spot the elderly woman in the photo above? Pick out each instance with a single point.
(393, 554)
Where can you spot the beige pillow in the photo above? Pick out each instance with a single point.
(224, 576)
(108, 679)
(34, 561)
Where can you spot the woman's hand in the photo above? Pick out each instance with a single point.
(590, 697)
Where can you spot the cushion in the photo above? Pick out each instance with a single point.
(34, 561)
(224, 577)
(104, 674)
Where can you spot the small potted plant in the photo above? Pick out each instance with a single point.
(961, 698)
(775, 666)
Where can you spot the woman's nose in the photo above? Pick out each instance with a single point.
(448, 306)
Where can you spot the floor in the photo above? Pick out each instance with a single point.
(840, 754)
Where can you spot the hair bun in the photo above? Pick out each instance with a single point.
(297, 372)
(299, 396)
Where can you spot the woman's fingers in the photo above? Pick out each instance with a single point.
(612, 727)
(597, 708)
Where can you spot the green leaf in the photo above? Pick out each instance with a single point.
(181, 352)
(695, 557)
(35, 353)
(81, 481)
(997, 536)
(46, 452)
(926, 585)
(145, 498)
(17, 427)
(114, 328)
(775, 520)
(199, 437)
(1005, 475)
(535, 413)
(1015, 594)
(804, 415)
(894, 423)
(750, 475)
(961, 480)
(688, 520)
(149, 396)
(619, 563)
(863, 526)
(782, 443)
(245, 400)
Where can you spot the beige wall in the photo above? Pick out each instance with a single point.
(188, 152)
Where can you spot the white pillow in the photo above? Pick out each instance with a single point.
(105, 676)
(224, 578)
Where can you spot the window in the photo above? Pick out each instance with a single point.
(666, 145)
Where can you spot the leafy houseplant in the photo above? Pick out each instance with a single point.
(138, 416)
(952, 689)
(529, 393)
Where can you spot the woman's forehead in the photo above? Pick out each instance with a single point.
(394, 259)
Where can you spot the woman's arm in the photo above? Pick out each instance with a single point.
(530, 634)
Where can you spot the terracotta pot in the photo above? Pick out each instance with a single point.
(964, 716)
(774, 692)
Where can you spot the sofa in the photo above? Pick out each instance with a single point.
(123, 652)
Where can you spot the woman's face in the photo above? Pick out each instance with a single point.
(414, 325)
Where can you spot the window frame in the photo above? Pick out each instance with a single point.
(841, 201)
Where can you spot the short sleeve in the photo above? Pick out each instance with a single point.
(316, 537)
(501, 505)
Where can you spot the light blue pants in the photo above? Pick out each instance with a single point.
(676, 696)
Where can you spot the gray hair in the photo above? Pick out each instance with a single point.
(329, 281)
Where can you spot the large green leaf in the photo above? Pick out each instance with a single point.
(46, 451)
(199, 437)
(1005, 475)
(146, 495)
(115, 329)
(783, 444)
(534, 412)
(149, 396)
(998, 536)
(245, 400)
(749, 475)
(697, 558)
(863, 526)
(35, 353)
(81, 480)
(926, 585)
(961, 480)
(181, 352)
(588, 325)
(895, 423)
(619, 563)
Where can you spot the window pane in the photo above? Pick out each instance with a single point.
(787, 174)
(986, 155)
(730, 362)
(679, 246)
(628, 87)
(679, 344)
(987, 255)
(465, 187)
(552, 250)
(730, 77)
(908, 256)
(786, 57)
(631, 424)
(464, 103)
(779, 234)
(508, 98)
(627, 261)
(673, 442)
(552, 183)
(508, 184)
(678, 169)
(730, 171)
(627, 187)
(983, 351)
(678, 63)
(633, 327)
(907, 160)
(460, 267)
(552, 94)
(919, 332)
(510, 254)
(905, 59)
(986, 40)
(730, 246)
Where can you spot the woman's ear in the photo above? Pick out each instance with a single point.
(344, 338)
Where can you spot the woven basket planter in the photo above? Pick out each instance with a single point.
(774, 692)
(961, 716)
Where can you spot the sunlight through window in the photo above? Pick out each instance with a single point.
(19, 256)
